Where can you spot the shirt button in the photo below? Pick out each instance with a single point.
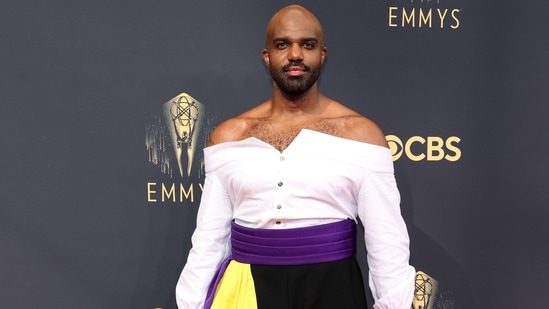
(282, 158)
(278, 206)
(280, 183)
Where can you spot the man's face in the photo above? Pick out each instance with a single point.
(294, 53)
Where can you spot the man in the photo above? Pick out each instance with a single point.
(285, 183)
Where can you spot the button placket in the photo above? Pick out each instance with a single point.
(281, 171)
(280, 191)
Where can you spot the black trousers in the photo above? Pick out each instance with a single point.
(331, 285)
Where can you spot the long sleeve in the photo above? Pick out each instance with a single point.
(210, 245)
(391, 278)
(307, 184)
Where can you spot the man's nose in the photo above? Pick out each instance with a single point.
(295, 53)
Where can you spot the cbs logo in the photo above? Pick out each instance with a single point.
(432, 148)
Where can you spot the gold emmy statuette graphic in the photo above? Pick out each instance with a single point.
(184, 116)
(425, 291)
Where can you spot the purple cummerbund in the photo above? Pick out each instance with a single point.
(316, 244)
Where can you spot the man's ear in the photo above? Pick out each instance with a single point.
(324, 52)
(265, 55)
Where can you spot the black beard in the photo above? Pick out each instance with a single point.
(298, 85)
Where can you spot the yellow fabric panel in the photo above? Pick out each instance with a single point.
(236, 288)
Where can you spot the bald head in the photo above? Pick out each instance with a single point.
(293, 17)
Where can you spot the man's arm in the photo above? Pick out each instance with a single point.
(391, 278)
(210, 245)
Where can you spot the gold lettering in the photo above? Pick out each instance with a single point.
(150, 192)
(425, 18)
(168, 194)
(392, 16)
(434, 145)
(442, 16)
(454, 12)
(408, 146)
(450, 146)
(409, 18)
(188, 193)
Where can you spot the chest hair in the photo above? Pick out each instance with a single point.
(280, 136)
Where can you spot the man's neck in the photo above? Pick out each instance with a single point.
(310, 103)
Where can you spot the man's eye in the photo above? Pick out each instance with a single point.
(309, 45)
(281, 45)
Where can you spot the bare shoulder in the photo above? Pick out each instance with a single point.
(362, 129)
(229, 130)
(356, 127)
(235, 129)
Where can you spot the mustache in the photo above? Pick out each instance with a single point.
(301, 65)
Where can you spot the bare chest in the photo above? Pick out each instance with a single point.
(280, 136)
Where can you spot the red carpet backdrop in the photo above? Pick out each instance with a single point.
(106, 106)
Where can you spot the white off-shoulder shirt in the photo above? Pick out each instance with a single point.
(317, 179)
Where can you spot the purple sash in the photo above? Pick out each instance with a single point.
(322, 243)
(316, 244)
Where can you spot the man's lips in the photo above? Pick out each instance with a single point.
(295, 71)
